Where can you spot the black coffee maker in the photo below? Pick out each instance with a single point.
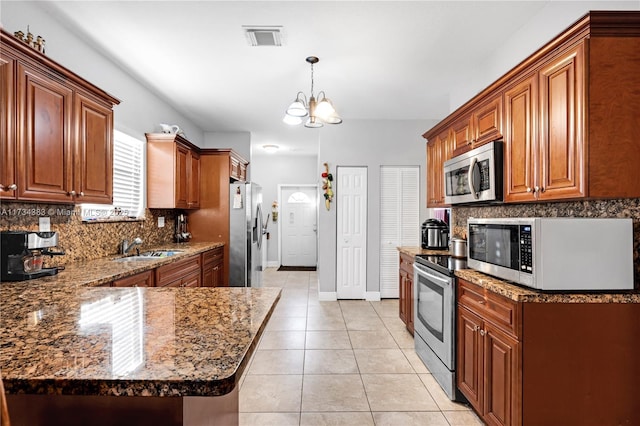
(22, 254)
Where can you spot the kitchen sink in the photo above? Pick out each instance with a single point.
(149, 255)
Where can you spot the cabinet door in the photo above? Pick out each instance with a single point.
(462, 135)
(402, 300)
(8, 181)
(218, 274)
(191, 280)
(182, 177)
(44, 149)
(94, 152)
(207, 276)
(562, 150)
(193, 201)
(520, 140)
(469, 357)
(409, 303)
(487, 122)
(502, 388)
(433, 160)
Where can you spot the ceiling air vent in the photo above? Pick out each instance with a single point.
(264, 35)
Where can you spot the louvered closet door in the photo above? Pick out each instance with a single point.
(399, 221)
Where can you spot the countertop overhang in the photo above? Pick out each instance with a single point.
(62, 335)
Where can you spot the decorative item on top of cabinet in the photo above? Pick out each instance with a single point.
(405, 301)
(179, 188)
(57, 126)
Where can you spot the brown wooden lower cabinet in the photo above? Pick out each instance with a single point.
(526, 363)
(180, 273)
(143, 279)
(405, 301)
(213, 268)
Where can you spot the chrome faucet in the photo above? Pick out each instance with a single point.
(125, 246)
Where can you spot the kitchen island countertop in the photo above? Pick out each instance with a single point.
(70, 340)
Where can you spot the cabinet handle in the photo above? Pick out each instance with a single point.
(482, 332)
(481, 302)
(528, 189)
(72, 193)
(536, 189)
(475, 328)
(81, 194)
(11, 187)
(542, 189)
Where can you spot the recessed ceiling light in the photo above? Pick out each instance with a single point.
(265, 35)
(270, 148)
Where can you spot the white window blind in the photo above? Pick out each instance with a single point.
(399, 221)
(128, 182)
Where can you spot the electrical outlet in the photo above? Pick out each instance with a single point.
(44, 224)
(160, 221)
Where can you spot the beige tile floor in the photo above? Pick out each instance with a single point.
(339, 363)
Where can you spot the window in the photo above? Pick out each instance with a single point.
(128, 183)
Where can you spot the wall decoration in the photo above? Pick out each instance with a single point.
(327, 179)
(37, 44)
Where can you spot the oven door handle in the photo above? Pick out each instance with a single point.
(423, 271)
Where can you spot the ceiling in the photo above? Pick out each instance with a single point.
(378, 60)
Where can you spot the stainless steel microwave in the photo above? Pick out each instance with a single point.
(475, 176)
(554, 253)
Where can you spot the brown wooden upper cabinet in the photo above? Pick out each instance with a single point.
(57, 127)
(483, 125)
(439, 150)
(569, 116)
(545, 147)
(173, 172)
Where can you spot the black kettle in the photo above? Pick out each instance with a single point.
(435, 234)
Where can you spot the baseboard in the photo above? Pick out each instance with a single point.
(327, 296)
(372, 296)
(273, 264)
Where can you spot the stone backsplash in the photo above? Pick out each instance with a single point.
(624, 208)
(86, 241)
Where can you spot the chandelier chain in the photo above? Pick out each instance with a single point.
(312, 80)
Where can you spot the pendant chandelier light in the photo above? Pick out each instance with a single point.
(317, 112)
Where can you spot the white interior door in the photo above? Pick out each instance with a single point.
(351, 262)
(298, 227)
(399, 221)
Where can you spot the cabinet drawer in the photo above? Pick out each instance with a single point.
(406, 263)
(143, 279)
(192, 280)
(499, 310)
(212, 256)
(168, 274)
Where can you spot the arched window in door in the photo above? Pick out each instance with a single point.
(299, 198)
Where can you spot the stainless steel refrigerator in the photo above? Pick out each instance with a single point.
(246, 227)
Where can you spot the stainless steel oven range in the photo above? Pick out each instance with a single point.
(435, 317)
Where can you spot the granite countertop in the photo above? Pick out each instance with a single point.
(75, 340)
(523, 294)
(412, 251)
(101, 271)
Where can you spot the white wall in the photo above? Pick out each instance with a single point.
(271, 170)
(370, 144)
(238, 141)
(554, 18)
(140, 110)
